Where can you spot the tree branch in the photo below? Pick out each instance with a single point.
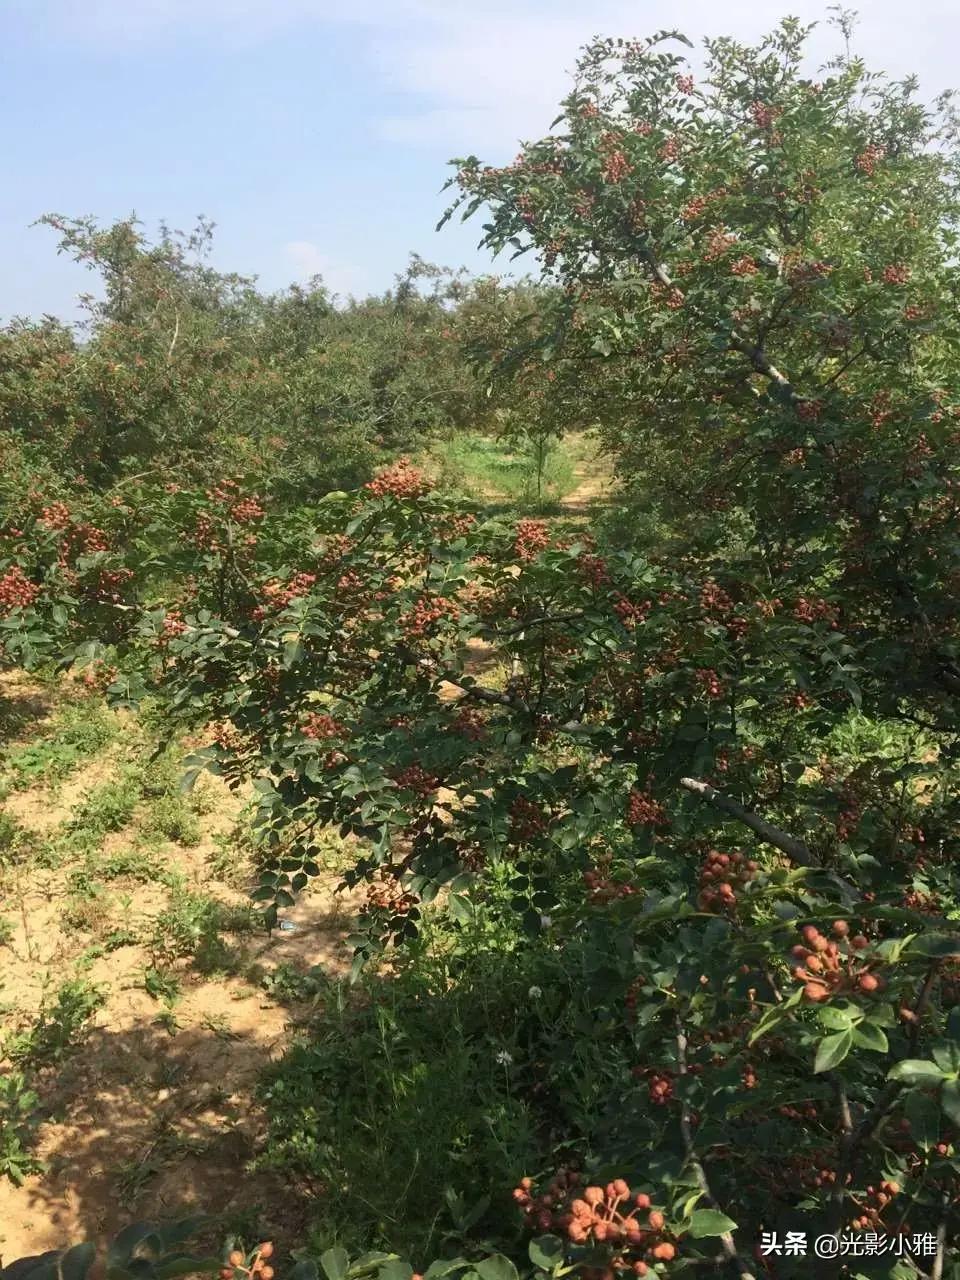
(796, 850)
(727, 1242)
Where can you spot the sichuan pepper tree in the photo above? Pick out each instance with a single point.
(786, 980)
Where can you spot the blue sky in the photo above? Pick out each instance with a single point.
(316, 133)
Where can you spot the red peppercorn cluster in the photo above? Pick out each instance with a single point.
(745, 266)
(228, 737)
(684, 84)
(670, 151)
(470, 724)
(671, 298)
(385, 894)
(827, 968)
(630, 614)
(718, 242)
(594, 569)
(55, 516)
(110, 582)
(710, 682)
(611, 1216)
(402, 480)
(713, 598)
(254, 1266)
(869, 158)
(643, 810)
(602, 888)
(527, 820)
(415, 778)
(896, 273)
(318, 725)
(16, 590)
(98, 676)
(872, 1206)
(813, 609)
(426, 613)
(173, 626)
(763, 115)
(721, 875)
(616, 166)
(659, 1084)
(531, 538)
(275, 596)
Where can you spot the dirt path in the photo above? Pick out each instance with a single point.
(153, 1114)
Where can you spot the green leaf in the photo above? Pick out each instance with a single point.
(832, 1050)
(546, 1252)
(867, 1036)
(936, 945)
(183, 1265)
(395, 1269)
(915, 1071)
(496, 1267)
(709, 1222)
(305, 1269)
(950, 1100)
(837, 1019)
(335, 1263)
(76, 1262)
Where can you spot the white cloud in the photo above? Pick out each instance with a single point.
(479, 76)
(308, 261)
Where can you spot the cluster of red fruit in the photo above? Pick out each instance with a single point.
(813, 609)
(594, 569)
(616, 166)
(745, 266)
(826, 970)
(173, 625)
(672, 298)
(611, 1215)
(868, 159)
(318, 725)
(425, 614)
(713, 598)
(55, 516)
(720, 876)
(643, 810)
(630, 614)
(256, 1265)
(710, 681)
(415, 778)
(277, 595)
(402, 480)
(98, 676)
(16, 590)
(659, 1084)
(600, 884)
(470, 724)
(763, 115)
(527, 820)
(877, 1199)
(684, 84)
(718, 242)
(228, 737)
(532, 536)
(109, 583)
(385, 894)
(670, 150)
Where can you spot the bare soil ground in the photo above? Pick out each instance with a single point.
(150, 1115)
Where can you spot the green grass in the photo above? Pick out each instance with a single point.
(522, 472)
(79, 732)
